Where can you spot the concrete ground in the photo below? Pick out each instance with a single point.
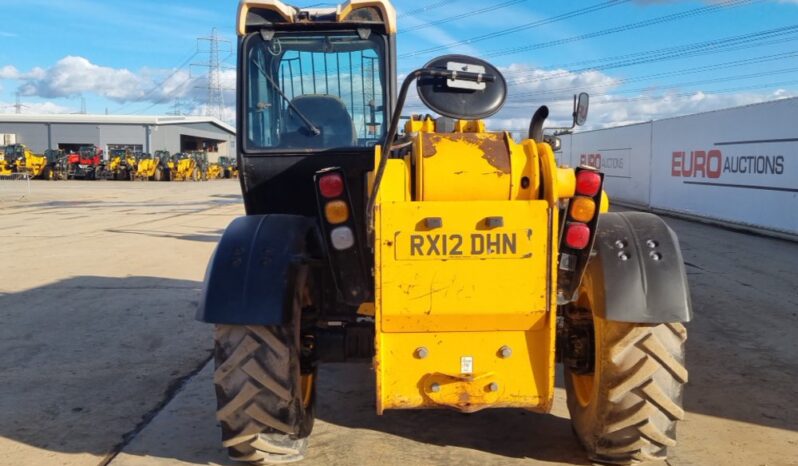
(101, 361)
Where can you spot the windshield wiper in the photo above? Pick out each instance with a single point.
(311, 127)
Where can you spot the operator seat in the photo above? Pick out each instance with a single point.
(328, 114)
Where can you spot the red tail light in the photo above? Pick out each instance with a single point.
(331, 185)
(577, 236)
(588, 183)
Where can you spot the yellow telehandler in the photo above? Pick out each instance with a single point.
(230, 169)
(185, 168)
(19, 159)
(152, 168)
(462, 263)
(215, 171)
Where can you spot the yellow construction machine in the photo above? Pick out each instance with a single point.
(122, 165)
(152, 168)
(462, 263)
(229, 166)
(17, 158)
(185, 168)
(7, 166)
(215, 171)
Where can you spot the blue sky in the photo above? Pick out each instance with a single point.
(115, 53)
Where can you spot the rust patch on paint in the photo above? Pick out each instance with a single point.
(493, 146)
(496, 152)
(429, 143)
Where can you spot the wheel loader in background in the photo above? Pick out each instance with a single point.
(462, 263)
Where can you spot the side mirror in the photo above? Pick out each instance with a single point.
(581, 107)
(478, 92)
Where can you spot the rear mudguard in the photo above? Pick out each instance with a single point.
(249, 277)
(643, 271)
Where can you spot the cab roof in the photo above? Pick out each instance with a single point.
(252, 13)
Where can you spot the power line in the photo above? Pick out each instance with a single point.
(159, 85)
(627, 27)
(682, 72)
(523, 27)
(460, 16)
(673, 53)
(569, 97)
(427, 8)
(166, 97)
(725, 44)
(693, 93)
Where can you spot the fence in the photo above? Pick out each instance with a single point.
(15, 182)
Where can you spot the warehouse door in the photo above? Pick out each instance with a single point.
(72, 148)
(132, 147)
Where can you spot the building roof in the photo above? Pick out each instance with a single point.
(154, 120)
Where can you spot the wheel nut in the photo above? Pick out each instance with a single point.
(505, 352)
(422, 352)
(493, 387)
(435, 388)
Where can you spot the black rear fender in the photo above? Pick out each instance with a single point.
(249, 278)
(643, 270)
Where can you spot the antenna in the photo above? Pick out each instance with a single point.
(177, 107)
(19, 105)
(215, 104)
(82, 105)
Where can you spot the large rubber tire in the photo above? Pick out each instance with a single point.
(627, 410)
(265, 404)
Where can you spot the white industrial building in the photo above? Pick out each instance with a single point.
(735, 166)
(108, 132)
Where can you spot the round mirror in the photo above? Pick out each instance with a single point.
(582, 105)
(459, 98)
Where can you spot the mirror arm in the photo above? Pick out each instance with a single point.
(387, 147)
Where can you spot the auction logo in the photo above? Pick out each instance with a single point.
(713, 164)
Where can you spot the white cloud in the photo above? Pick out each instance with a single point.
(531, 87)
(72, 76)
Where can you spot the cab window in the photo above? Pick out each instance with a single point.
(315, 92)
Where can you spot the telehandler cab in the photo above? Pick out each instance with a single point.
(462, 263)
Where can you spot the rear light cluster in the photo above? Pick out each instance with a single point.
(338, 225)
(336, 210)
(579, 231)
(583, 209)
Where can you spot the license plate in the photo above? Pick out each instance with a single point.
(463, 245)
